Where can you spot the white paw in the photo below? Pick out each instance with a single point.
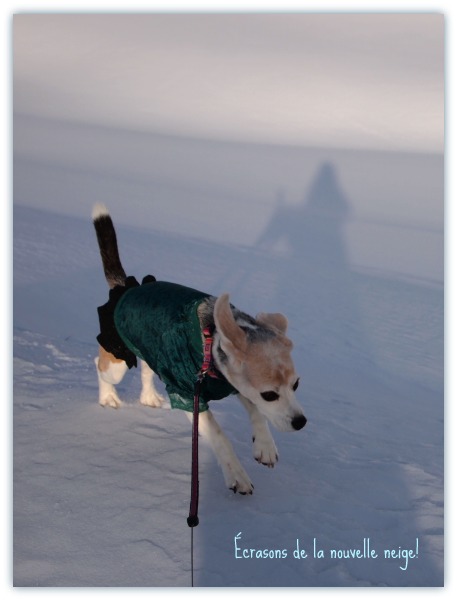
(237, 479)
(151, 398)
(264, 449)
(111, 400)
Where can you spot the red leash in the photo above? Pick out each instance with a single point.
(192, 519)
(207, 369)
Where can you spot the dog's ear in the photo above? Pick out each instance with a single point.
(276, 320)
(233, 338)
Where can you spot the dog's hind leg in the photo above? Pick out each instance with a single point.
(110, 371)
(235, 476)
(149, 395)
(264, 447)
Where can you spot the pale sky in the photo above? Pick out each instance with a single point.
(332, 80)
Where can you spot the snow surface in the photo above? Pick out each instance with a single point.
(101, 496)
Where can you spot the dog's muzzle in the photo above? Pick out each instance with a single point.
(299, 422)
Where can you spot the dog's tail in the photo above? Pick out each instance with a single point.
(107, 242)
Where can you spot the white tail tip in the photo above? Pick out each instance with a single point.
(98, 211)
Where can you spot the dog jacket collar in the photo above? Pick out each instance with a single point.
(158, 322)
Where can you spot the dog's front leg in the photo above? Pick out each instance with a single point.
(235, 476)
(264, 447)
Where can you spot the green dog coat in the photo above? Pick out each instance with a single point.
(158, 322)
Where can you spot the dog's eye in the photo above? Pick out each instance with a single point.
(295, 386)
(269, 396)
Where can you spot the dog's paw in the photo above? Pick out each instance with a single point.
(238, 480)
(112, 400)
(243, 488)
(265, 451)
(151, 398)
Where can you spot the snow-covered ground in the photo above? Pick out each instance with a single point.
(101, 496)
(345, 239)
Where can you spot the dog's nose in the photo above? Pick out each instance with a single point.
(299, 422)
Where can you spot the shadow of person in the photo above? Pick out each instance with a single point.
(313, 232)
(303, 256)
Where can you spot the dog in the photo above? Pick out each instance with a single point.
(162, 324)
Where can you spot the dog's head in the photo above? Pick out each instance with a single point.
(255, 358)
